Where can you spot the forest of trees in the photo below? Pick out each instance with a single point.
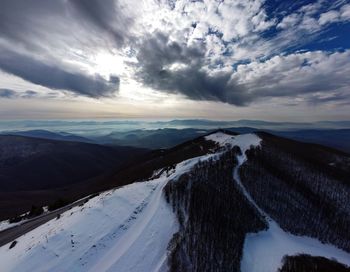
(214, 218)
(305, 189)
(303, 195)
(307, 263)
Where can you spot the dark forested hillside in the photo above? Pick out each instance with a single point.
(44, 171)
(34, 164)
(307, 263)
(304, 187)
(152, 139)
(39, 171)
(50, 135)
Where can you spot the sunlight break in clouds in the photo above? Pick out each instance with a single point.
(234, 56)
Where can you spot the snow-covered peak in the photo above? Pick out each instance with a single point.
(244, 141)
(220, 138)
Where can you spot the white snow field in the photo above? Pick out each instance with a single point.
(129, 229)
(126, 229)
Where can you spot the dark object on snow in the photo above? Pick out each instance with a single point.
(13, 244)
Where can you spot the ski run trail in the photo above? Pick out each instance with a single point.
(128, 230)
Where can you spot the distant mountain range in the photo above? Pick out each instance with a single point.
(45, 134)
(165, 138)
(169, 137)
(93, 128)
(255, 123)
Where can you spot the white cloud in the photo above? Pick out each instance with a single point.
(345, 12)
(297, 74)
(290, 21)
(329, 17)
(334, 16)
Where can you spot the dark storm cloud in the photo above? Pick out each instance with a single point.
(156, 57)
(107, 15)
(20, 21)
(55, 77)
(337, 98)
(24, 21)
(6, 93)
(45, 30)
(30, 94)
(172, 67)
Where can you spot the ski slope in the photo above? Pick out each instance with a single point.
(126, 229)
(108, 224)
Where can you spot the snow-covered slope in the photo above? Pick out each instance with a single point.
(118, 226)
(127, 229)
(244, 141)
(264, 251)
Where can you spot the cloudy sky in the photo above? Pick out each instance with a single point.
(256, 59)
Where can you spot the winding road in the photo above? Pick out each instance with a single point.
(11, 234)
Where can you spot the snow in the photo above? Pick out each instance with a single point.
(6, 224)
(157, 223)
(219, 137)
(245, 144)
(264, 251)
(127, 229)
(244, 141)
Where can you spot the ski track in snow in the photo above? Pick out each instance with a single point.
(264, 251)
(124, 244)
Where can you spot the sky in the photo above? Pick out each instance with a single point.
(279, 60)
